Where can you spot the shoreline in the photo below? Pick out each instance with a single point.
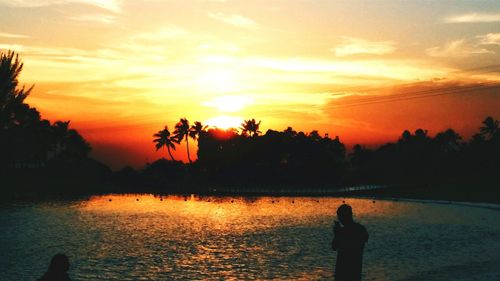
(425, 200)
(439, 193)
(485, 205)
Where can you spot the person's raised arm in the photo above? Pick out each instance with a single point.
(336, 236)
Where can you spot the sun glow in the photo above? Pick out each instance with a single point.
(218, 81)
(229, 103)
(225, 122)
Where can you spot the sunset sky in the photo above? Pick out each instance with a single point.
(121, 70)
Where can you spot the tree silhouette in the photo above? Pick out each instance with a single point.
(250, 128)
(11, 97)
(421, 134)
(290, 132)
(163, 139)
(36, 154)
(196, 129)
(448, 140)
(489, 128)
(75, 146)
(60, 131)
(405, 137)
(182, 132)
(314, 135)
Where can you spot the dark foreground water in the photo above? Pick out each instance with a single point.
(142, 237)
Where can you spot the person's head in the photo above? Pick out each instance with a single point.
(344, 214)
(59, 263)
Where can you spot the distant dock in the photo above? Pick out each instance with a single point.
(293, 191)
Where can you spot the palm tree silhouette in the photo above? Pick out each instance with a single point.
(163, 139)
(490, 127)
(250, 128)
(182, 132)
(196, 130)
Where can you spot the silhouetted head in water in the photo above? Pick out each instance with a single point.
(344, 214)
(58, 267)
(59, 263)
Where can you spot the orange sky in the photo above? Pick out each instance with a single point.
(121, 70)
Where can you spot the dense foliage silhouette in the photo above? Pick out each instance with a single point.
(445, 158)
(33, 150)
(289, 158)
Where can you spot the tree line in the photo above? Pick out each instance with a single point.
(35, 150)
(40, 153)
(243, 156)
(445, 158)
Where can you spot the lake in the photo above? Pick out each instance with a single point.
(146, 237)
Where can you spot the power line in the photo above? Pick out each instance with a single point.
(420, 94)
(415, 93)
(485, 69)
(408, 94)
(492, 66)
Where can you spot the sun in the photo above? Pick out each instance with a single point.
(224, 122)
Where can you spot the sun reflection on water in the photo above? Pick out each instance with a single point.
(147, 237)
(220, 213)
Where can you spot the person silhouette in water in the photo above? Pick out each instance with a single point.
(58, 268)
(349, 240)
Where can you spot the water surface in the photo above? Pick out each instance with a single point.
(143, 237)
